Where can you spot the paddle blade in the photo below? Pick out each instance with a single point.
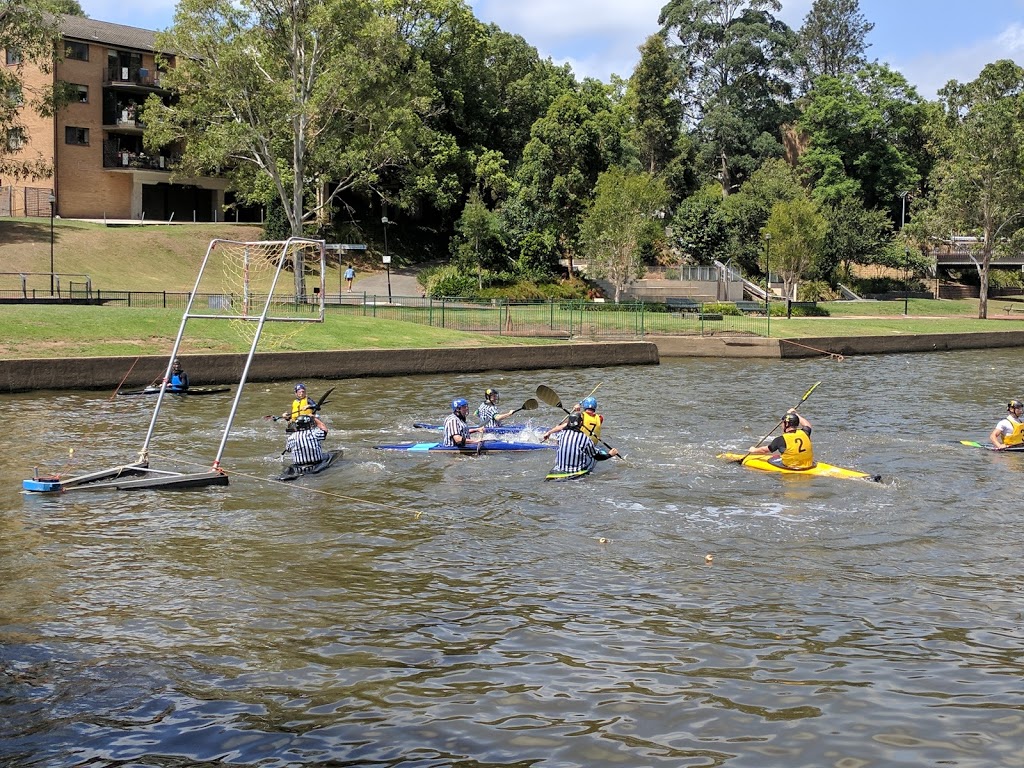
(530, 405)
(549, 396)
(323, 399)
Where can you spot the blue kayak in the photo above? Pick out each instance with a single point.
(506, 429)
(487, 446)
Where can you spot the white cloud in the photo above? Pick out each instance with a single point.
(931, 71)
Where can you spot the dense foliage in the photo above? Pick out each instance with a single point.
(411, 119)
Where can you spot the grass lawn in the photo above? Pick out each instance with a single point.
(167, 258)
(76, 331)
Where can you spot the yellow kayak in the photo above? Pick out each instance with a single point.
(763, 462)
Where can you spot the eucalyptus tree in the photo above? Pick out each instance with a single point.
(298, 99)
(833, 39)
(738, 68)
(622, 219)
(28, 35)
(979, 179)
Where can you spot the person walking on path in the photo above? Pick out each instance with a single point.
(350, 275)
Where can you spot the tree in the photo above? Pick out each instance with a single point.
(29, 34)
(478, 234)
(797, 233)
(300, 99)
(657, 113)
(864, 134)
(623, 216)
(737, 60)
(980, 175)
(833, 38)
(556, 177)
(856, 235)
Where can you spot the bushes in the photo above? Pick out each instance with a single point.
(451, 281)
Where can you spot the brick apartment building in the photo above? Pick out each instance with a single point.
(101, 169)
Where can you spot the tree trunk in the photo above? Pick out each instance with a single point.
(983, 287)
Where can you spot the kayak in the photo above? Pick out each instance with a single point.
(569, 475)
(486, 447)
(990, 447)
(295, 471)
(502, 429)
(189, 391)
(820, 469)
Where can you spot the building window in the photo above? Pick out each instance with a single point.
(13, 56)
(74, 135)
(14, 97)
(78, 51)
(80, 93)
(15, 139)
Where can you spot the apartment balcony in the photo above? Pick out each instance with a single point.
(125, 125)
(116, 158)
(139, 80)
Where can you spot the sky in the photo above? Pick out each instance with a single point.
(929, 41)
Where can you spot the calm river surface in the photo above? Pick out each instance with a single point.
(436, 610)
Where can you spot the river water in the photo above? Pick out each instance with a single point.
(436, 610)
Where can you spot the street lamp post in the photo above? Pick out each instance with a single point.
(52, 199)
(768, 279)
(387, 256)
(906, 280)
(903, 216)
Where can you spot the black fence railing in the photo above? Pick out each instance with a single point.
(552, 318)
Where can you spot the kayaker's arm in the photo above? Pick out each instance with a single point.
(996, 438)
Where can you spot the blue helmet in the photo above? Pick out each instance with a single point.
(588, 404)
(299, 386)
(459, 402)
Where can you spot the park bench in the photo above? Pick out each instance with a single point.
(710, 316)
(751, 307)
(1011, 308)
(682, 304)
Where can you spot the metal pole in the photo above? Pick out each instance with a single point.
(387, 256)
(767, 280)
(52, 201)
(906, 277)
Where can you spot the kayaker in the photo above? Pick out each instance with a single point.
(179, 379)
(592, 420)
(1009, 431)
(792, 448)
(306, 443)
(456, 430)
(487, 412)
(302, 405)
(576, 451)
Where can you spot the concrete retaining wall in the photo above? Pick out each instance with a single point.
(109, 373)
(881, 345)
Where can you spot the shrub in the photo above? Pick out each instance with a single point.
(451, 281)
(722, 308)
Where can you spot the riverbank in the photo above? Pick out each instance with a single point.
(114, 372)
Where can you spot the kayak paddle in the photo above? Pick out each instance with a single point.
(549, 396)
(802, 400)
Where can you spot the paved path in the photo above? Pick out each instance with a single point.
(403, 283)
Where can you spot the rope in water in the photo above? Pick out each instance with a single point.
(833, 355)
(118, 388)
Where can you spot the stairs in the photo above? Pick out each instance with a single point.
(657, 290)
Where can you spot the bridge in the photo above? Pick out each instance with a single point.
(958, 252)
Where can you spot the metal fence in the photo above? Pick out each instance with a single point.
(553, 318)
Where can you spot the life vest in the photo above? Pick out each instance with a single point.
(592, 425)
(177, 382)
(1017, 436)
(799, 453)
(301, 408)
